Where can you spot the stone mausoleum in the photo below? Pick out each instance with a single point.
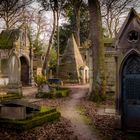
(128, 72)
(15, 64)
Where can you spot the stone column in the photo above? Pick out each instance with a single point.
(31, 77)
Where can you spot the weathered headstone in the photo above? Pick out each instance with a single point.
(14, 70)
(14, 85)
(45, 88)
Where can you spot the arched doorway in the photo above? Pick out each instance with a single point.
(131, 92)
(24, 71)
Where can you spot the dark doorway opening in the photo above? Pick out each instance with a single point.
(131, 92)
(24, 71)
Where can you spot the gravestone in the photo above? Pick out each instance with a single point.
(45, 88)
(14, 85)
(17, 109)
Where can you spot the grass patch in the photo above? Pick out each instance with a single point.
(58, 93)
(9, 96)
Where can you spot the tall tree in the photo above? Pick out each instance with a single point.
(74, 7)
(76, 28)
(66, 29)
(55, 6)
(97, 47)
(113, 12)
(47, 5)
(10, 11)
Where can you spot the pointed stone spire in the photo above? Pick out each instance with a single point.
(71, 62)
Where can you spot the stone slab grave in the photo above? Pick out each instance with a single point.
(17, 109)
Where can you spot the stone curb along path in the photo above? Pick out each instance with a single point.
(82, 130)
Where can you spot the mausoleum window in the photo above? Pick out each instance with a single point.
(133, 36)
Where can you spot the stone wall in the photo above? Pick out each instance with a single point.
(110, 64)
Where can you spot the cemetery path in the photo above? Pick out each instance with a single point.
(70, 111)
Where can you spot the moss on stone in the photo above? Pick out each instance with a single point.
(8, 38)
(60, 92)
(5, 41)
(38, 119)
(10, 96)
(108, 40)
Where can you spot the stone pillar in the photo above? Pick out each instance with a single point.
(31, 77)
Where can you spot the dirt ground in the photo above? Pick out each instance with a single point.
(69, 108)
(79, 120)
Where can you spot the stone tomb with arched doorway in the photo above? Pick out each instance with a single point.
(24, 70)
(128, 72)
(15, 67)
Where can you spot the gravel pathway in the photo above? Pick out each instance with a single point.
(70, 111)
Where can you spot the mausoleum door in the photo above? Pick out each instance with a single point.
(131, 92)
(24, 71)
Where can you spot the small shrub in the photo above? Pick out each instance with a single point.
(61, 92)
(58, 94)
(97, 97)
(47, 95)
(40, 80)
(44, 95)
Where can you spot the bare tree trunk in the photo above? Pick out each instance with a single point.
(45, 64)
(99, 81)
(77, 25)
(57, 68)
(76, 4)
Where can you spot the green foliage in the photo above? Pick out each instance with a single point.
(44, 109)
(44, 95)
(52, 60)
(108, 40)
(61, 92)
(65, 33)
(40, 79)
(6, 42)
(84, 23)
(39, 119)
(38, 47)
(68, 28)
(96, 97)
(99, 94)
